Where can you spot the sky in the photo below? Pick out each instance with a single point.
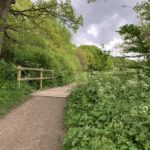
(101, 21)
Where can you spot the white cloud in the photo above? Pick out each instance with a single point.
(93, 30)
(113, 46)
(114, 43)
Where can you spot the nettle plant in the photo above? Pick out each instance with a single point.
(109, 112)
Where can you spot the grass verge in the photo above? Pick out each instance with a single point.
(11, 96)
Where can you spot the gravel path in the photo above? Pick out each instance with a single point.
(36, 124)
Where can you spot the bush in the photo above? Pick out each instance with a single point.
(34, 57)
(109, 112)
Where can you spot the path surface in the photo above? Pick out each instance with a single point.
(36, 124)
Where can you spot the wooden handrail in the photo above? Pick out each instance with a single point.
(33, 69)
(41, 78)
(29, 79)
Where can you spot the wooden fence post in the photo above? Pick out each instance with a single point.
(40, 70)
(41, 80)
(18, 75)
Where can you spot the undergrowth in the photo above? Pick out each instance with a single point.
(110, 112)
(10, 94)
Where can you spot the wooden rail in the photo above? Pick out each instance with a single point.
(40, 78)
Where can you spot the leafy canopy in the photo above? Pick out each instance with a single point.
(92, 58)
(62, 10)
(136, 37)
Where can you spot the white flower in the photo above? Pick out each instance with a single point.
(131, 97)
(143, 109)
(132, 83)
(133, 112)
(118, 124)
(101, 91)
(123, 87)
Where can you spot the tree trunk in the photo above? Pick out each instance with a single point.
(4, 9)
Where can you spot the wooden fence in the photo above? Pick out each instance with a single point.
(40, 78)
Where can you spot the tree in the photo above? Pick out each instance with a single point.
(4, 9)
(136, 37)
(61, 10)
(92, 58)
(143, 10)
(133, 39)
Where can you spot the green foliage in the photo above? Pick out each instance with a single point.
(143, 9)
(47, 45)
(109, 112)
(62, 11)
(92, 58)
(136, 37)
(7, 71)
(133, 40)
(10, 94)
(123, 64)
